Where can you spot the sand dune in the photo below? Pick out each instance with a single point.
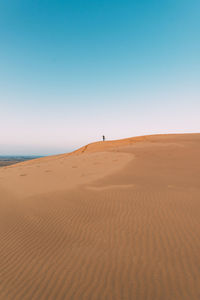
(112, 220)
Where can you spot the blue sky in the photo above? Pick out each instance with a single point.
(71, 71)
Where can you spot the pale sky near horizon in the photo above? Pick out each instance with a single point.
(71, 71)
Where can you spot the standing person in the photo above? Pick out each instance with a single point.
(103, 138)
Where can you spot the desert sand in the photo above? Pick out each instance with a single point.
(112, 220)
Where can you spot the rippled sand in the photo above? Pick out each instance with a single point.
(114, 220)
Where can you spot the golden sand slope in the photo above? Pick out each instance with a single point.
(114, 220)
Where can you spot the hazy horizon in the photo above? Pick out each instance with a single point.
(73, 71)
(36, 154)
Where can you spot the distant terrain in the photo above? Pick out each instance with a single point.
(11, 160)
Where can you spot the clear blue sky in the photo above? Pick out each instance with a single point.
(71, 71)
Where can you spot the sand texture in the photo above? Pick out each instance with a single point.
(113, 220)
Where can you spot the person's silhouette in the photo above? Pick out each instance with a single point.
(103, 138)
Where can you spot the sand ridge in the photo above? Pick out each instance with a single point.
(60, 172)
(128, 230)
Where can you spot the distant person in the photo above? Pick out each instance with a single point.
(103, 138)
